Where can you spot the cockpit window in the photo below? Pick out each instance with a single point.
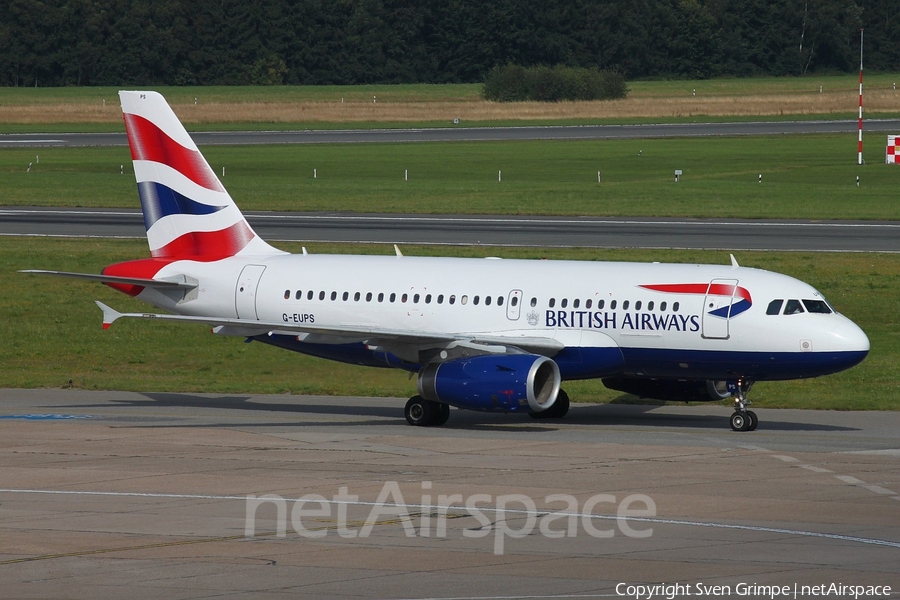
(793, 307)
(774, 307)
(817, 306)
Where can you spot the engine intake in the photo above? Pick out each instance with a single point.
(503, 383)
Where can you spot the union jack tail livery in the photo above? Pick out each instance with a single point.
(187, 212)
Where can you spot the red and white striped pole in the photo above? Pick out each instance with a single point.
(860, 158)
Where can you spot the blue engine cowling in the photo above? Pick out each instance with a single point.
(505, 383)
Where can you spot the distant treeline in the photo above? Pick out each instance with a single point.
(515, 83)
(146, 42)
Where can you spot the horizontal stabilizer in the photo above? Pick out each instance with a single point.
(109, 314)
(160, 284)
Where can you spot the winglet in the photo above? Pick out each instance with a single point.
(734, 262)
(397, 250)
(109, 314)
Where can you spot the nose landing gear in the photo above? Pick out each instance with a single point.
(742, 419)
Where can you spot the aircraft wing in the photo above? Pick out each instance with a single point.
(411, 345)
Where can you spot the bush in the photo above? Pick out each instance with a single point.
(514, 83)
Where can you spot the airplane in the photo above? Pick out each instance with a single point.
(484, 334)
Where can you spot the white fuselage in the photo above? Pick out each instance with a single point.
(581, 304)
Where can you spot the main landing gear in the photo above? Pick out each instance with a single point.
(426, 413)
(742, 419)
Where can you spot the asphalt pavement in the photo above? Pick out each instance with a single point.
(469, 134)
(586, 232)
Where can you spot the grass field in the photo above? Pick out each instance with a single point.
(298, 107)
(811, 177)
(52, 332)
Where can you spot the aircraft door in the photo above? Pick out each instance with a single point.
(717, 309)
(246, 290)
(514, 305)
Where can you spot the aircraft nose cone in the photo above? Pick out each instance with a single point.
(849, 345)
(848, 337)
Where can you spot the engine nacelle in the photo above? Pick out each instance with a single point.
(692, 390)
(502, 382)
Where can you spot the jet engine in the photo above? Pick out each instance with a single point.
(493, 382)
(691, 390)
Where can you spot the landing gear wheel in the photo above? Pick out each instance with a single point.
(442, 414)
(740, 421)
(420, 412)
(558, 410)
(754, 420)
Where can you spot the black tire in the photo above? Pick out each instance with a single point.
(740, 421)
(420, 412)
(557, 410)
(442, 414)
(754, 420)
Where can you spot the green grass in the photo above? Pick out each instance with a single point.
(430, 93)
(733, 86)
(52, 334)
(242, 94)
(804, 176)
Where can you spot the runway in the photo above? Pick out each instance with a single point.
(586, 232)
(104, 491)
(468, 134)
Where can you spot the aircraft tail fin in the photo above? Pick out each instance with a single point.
(187, 211)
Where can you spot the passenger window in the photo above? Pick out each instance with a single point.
(533, 302)
(564, 302)
(675, 307)
(612, 305)
(369, 297)
(601, 304)
(464, 299)
(427, 298)
(322, 295)
(625, 305)
(817, 306)
(415, 299)
(793, 307)
(552, 302)
(587, 303)
(487, 300)
(299, 295)
(662, 306)
(356, 297)
(440, 298)
(576, 303)
(287, 294)
(452, 299)
(333, 296)
(345, 296)
(404, 297)
(637, 305)
(774, 307)
(650, 305)
(381, 296)
(514, 301)
(393, 297)
(500, 300)
(475, 300)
